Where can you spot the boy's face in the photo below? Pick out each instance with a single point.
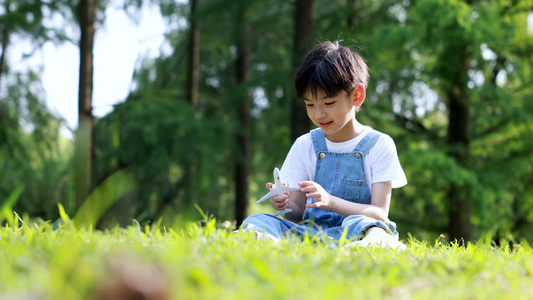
(334, 115)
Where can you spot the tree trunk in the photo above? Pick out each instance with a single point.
(303, 34)
(353, 7)
(242, 169)
(83, 153)
(5, 42)
(459, 148)
(194, 55)
(192, 95)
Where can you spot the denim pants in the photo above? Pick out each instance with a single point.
(340, 174)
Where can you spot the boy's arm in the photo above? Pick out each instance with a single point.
(296, 202)
(377, 209)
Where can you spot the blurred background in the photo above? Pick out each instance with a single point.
(197, 107)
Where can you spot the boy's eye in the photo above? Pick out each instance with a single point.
(330, 103)
(309, 105)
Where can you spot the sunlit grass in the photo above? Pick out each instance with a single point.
(205, 260)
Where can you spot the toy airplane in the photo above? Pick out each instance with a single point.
(278, 189)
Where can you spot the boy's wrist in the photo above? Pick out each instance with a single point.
(333, 203)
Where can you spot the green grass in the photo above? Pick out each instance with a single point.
(206, 261)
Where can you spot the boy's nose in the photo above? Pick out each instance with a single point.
(319, 114)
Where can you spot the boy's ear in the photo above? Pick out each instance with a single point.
(359, 95)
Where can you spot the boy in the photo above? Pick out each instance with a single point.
(346, 170)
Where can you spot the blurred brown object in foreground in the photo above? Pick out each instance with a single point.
(133, 280)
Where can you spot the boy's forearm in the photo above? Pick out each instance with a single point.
(378, 209)
(347, 208)
(295, 215)
(295, 203)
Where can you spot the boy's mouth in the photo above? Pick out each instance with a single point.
(325, 124)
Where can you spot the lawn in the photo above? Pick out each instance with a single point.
(204, 260)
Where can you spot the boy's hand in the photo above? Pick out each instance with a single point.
(312, 189)
(279, 202)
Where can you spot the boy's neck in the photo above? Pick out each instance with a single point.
(350, 131)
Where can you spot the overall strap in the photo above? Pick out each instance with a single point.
(368, 142)
(319, 140)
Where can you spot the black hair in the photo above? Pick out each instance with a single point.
(331, 69)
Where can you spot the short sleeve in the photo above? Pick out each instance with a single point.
(299, 165)
(385, 164)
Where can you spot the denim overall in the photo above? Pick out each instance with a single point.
(341, 175)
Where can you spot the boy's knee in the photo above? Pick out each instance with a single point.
(259, 216)
(359, 224)
(256, 219)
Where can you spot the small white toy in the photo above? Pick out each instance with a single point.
(278, 189)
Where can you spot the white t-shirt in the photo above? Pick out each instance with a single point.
(381, 163)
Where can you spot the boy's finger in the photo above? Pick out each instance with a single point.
(279, 200)
(308, 189)
(280, 205)
(312, 195)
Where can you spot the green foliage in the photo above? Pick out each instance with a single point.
(206, 260)
(29, 20)
(6, 209)
(458, 52)
(31, 151)
(159, 136)
(102, 198)
(418, 59)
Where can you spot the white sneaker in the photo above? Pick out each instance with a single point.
(377, 237)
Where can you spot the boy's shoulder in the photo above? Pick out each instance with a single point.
(303, 142)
